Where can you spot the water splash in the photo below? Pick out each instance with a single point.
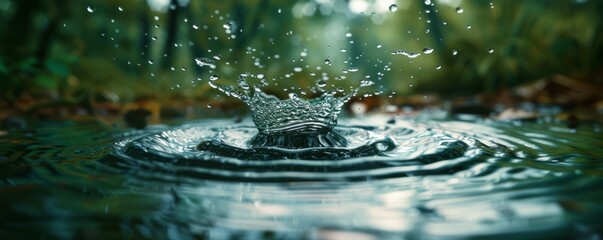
(272, 115)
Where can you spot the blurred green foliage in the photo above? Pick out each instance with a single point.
(141, 48)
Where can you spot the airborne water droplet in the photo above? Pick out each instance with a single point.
(214, 77)
(195, 26)
(490, 50)
(90, 9)
(120, 9)
(205, 62)
(438, 67)
(459, 10)
(405, 53)
(328, 61)
(243, 84)
(427, 50)
(321, 83)
(393, 8)
(366, 83)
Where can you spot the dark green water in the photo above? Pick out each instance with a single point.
(443, 179)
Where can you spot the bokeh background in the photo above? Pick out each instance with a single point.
(71, 59)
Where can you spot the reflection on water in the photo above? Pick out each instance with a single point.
(442, 179)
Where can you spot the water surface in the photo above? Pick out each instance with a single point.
(442, 179)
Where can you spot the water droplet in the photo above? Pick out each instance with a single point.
(293, 96)
(438, 67)
(243, 84)
(427, 50)
(227, 26)
(459, 10)
(379, 46)
(405, 53)
(90, 9)
(366, 83)
(156, 18)
(381, 146)
(321, 83)
(217, 56)
(348, 34)
(393, 8)
(151, 62)
(327, 61)
(195, 26)
(205, 62)
(454, 52)
(468, 26)
(343, 50)
(214, 77)
(297, 69)
(352, 69)
(490, 50)
(120, 9)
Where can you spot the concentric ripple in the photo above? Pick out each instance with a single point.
(440, 179)
(227, 153)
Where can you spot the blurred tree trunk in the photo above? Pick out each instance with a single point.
(18, 37)
(197, 49)
(56, 13)
(145, 30)
(249, 28)
(172, 31)
(435, 23)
